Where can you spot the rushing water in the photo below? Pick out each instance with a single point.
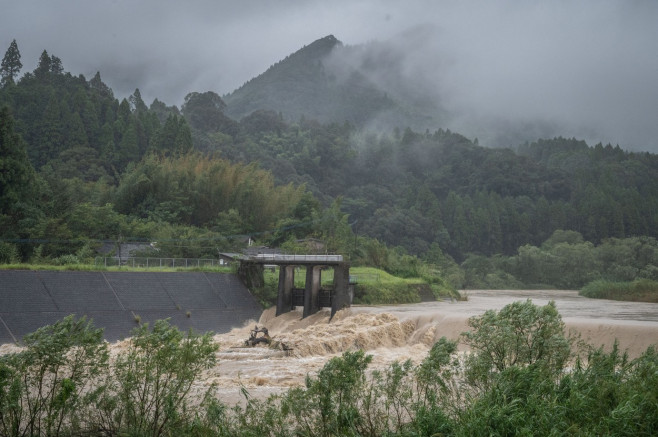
(401, 332)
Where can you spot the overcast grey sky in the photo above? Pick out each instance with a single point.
(588, 67)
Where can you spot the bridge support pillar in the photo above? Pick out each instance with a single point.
(341, 297)
(312, 290)
(286, 283)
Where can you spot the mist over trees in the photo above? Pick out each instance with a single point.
(81, 166)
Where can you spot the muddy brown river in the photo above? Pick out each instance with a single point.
(401, 332)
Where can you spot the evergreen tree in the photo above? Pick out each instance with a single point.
(17, 179)
(174, 136)
(88, 113)
(137, 103)
(124, 114)
(44, 67)
(56, 66)
(162, 111)
(183, 140)
(107, 145)
(75, 131)
(11, 65)
(166, 137)
(97, 84)
(50, 131)
(129, 145)
(15, 168)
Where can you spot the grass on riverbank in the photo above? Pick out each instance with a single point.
(640, 290)
(374, 286)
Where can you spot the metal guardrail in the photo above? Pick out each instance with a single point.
(152, 262)
(364, 277)
(158, 262)
(308, 258)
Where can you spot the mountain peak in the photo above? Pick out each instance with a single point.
(319, 48)
(301, 85)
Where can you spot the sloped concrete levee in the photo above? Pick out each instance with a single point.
(116, 301)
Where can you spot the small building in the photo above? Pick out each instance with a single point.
(228, 258)
(122, 251)
(253, 251)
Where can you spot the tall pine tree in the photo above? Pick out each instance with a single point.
(11, 65)
(42, 71)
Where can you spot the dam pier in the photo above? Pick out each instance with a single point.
(313, 296)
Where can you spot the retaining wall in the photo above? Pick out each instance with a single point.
(205, 302)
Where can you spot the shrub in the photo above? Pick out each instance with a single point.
(520, 401)
(520, 334)
(8, 253)
(148, 387)
(637, 410)
(48, 388)
(329, 405)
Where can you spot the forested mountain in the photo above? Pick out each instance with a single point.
(87, 167)
(416, 189)
(316, 82)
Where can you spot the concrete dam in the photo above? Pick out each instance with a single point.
(118, 301)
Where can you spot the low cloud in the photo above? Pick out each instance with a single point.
(586, 69)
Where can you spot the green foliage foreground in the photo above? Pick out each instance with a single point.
(523, 376)
(64, 383)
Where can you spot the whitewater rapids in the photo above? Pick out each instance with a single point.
(401, 332)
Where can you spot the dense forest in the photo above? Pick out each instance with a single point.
(80, 167)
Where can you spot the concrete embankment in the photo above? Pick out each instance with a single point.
(118, 301)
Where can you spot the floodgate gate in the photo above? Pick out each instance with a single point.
(313, 296)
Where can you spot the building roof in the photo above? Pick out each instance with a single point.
(125, 250)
